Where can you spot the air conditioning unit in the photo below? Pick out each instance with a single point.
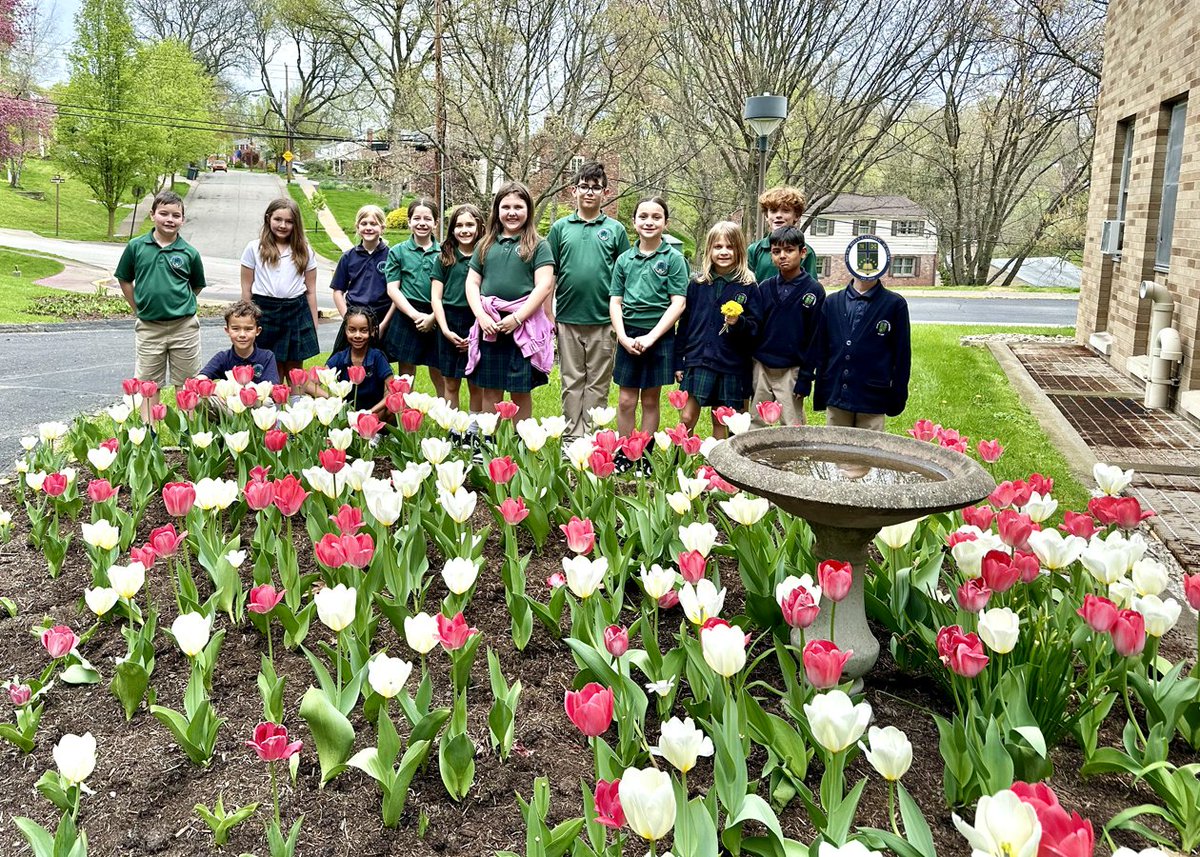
(1110, 236)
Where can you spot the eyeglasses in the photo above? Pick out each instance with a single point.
(591, 189)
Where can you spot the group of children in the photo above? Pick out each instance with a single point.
(489, 302)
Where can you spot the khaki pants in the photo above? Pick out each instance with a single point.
(776, 385)
(585, 355)
(157, 343)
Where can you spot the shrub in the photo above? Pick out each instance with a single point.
(397, 218)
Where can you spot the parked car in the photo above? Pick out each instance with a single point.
(219, 165)
(299, 169)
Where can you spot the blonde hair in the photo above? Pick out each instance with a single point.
(370, 211)
(731, 233)
(268, 251)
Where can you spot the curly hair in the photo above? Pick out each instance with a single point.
(783, 196)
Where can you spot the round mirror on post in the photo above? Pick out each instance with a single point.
(868, 257)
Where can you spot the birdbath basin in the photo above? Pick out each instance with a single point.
(848, 484)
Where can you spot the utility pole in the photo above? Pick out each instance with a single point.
(287, 117)
(439, 108)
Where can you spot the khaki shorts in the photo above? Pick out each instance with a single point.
(158, 343)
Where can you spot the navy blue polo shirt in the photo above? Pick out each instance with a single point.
(361, 276)
(369, 393)
(263, 361)
(857, 303)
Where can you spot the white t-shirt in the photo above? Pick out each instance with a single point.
(280, 280)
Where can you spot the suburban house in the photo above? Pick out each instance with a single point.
(903, 225)
(1140, 300)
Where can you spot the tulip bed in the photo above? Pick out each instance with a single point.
(307, 632)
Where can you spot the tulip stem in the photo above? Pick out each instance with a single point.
(77, 791)
(274, 792)
(338, 658)
(892, 807)
(1128, 703)
(270, 644)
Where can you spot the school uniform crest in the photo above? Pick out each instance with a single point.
(382, 264)
(603, 233)
(176, 261)
(809, 300)
(883, 328)
(661, 267)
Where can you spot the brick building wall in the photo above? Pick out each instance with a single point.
(1151, 64)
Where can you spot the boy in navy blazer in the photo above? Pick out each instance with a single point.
(862, 356)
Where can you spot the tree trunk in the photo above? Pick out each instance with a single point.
(112, 220)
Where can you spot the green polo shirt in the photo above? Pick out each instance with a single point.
(645, 284)
(505, 274)
(759, 258)
(584, 254)
(163, 277)
(411, 266)
(454, 281)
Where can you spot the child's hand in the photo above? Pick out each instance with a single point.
(508, 324)
(730, 320)
(642, 343)
(459, 343)
(425, 322)
(679, 377)
(628, 344)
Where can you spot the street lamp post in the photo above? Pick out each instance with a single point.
(763, 113)
(57, 182)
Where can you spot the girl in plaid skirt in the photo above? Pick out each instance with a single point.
(449, 299)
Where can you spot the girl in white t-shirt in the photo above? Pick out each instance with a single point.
(279, 273)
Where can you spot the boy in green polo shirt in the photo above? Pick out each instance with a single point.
(585, 245)
(160, 275)
(782, 207)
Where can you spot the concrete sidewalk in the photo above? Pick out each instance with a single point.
(328, 222)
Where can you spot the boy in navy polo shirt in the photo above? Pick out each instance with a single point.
(242, 326)
(863, 355)
(789, 305)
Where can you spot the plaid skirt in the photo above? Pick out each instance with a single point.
(403, 343)
(501, 366)
(341, 343)
(712, 389)
(287, 328)
(451, 362)
(650, 369)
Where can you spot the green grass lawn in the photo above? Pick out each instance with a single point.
(344, 204)
(81, 217)
(17, 293)
(958, 386)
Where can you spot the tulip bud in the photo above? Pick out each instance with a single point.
(616, 640)
(387, 676)
(420, 632)
(75, 757)
(890, 753)
(191, 632)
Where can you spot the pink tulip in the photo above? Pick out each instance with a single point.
(348, 520)
(54, 485)
(1063, 834)
(1078, 524)
(502, 470)
(973, 595)
(607, 440)
(205, 387)
(959, 536)
(179, 497)
(719, 414)
(1128, 633)
(148, 389)
(678, 399)
(297, 377)
(259, 495)
(506, 409)
(769, 412)
(679, 434)
(280, 393)
(601, 463)
(275, 440)
(1028, 566)
(259, 473)
(454, 633)
(129, 386)
(270, 742)
(18, 693)
(635, 443)
(145, 555)
(264, 599)
(330, 551)
(356, 374)
(999, 573)
(616, 640)
(924, 430)
(1125, 512)
(289, 495)
(799, 608)
(608, 803)
(1191, 590)
(359, 550)
(979, 516)
(590, 708)
(669, 600)
(243, 374)
(100, 490)
(581, 537)
(1014, 528)
(823, 663)
(1099, 613)
(59, 641)
(989, 450)
(1039, 484)
(411, 419)
(401, 385)
(961, 653)
(513, 510)
(835, 578)
(165, 540)
(332, 460)
(158, 413)
(692, 565)
(368, 425)
(248, 396)
(556, 580)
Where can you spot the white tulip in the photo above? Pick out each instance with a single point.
(460, 575)
(101, 534)
(1150, 576)
(326, 376)
(435, 449)
(235, 559)
(554, 427)
(34, 480)
(648, 799)
(1005, 826)
(679, 502)
(724, 648)
(969, 556)
(532, 433)
(662, 442)
(237, 441)
(234, 404)
(1040, 508)
(791, 582)
(202, 439)
(1160, 615)
(69, 473)
(421, 633)
(999, 628)
(657, 581)
(890, 753)
(1054, 550)
(225, 387)
(51, 431)
(682, 744)
(584, 576)
(1122, 593)
(692, 487)
(340, 389)
(898, 536)
(601, 417)
(708, 445)
(356, 472)
(28, 443)
(1110, 479)
(579, 453)
(336, 606)
(136, 435)
(266, 417)
(216, 493)
(75, 757)
(451, 475)
(701, 602)
(340, 438)
(101, 458)
(191, 632)
(127, 580)
(460, 505)
(323, 482)
(407, 481)
(119, 412)
(387, 676)
(101, 599)
(487, 423)
(299, 415)
(384, 504)
(835, 721)
(744, 509)
(738, 423)
(698, 537)
(1105, 564)
(422, 402)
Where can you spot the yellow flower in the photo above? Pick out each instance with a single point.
(732, 309)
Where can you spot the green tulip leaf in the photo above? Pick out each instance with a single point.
(331, 731)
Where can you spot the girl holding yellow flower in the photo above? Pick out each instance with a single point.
(715, 341)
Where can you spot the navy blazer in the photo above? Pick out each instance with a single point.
(699, 342)
(866, 371)
(787, 326)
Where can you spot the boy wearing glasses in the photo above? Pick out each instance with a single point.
(585, 245)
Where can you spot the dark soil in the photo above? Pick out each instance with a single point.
(145, 787)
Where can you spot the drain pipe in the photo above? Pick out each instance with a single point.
(1162, 310)
(1166, 354)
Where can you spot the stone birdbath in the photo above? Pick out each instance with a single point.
(848, 484)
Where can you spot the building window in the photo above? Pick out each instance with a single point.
(864, 227)
(1126, 164)
(822, 226)
(1170, 186)
(904, 266)
(908, 227)
(823, 266)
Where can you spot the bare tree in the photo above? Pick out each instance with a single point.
(848, 68)
(1072, 30)
(216, 31)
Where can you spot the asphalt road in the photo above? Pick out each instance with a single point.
(54, 375)
(1034, 311)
